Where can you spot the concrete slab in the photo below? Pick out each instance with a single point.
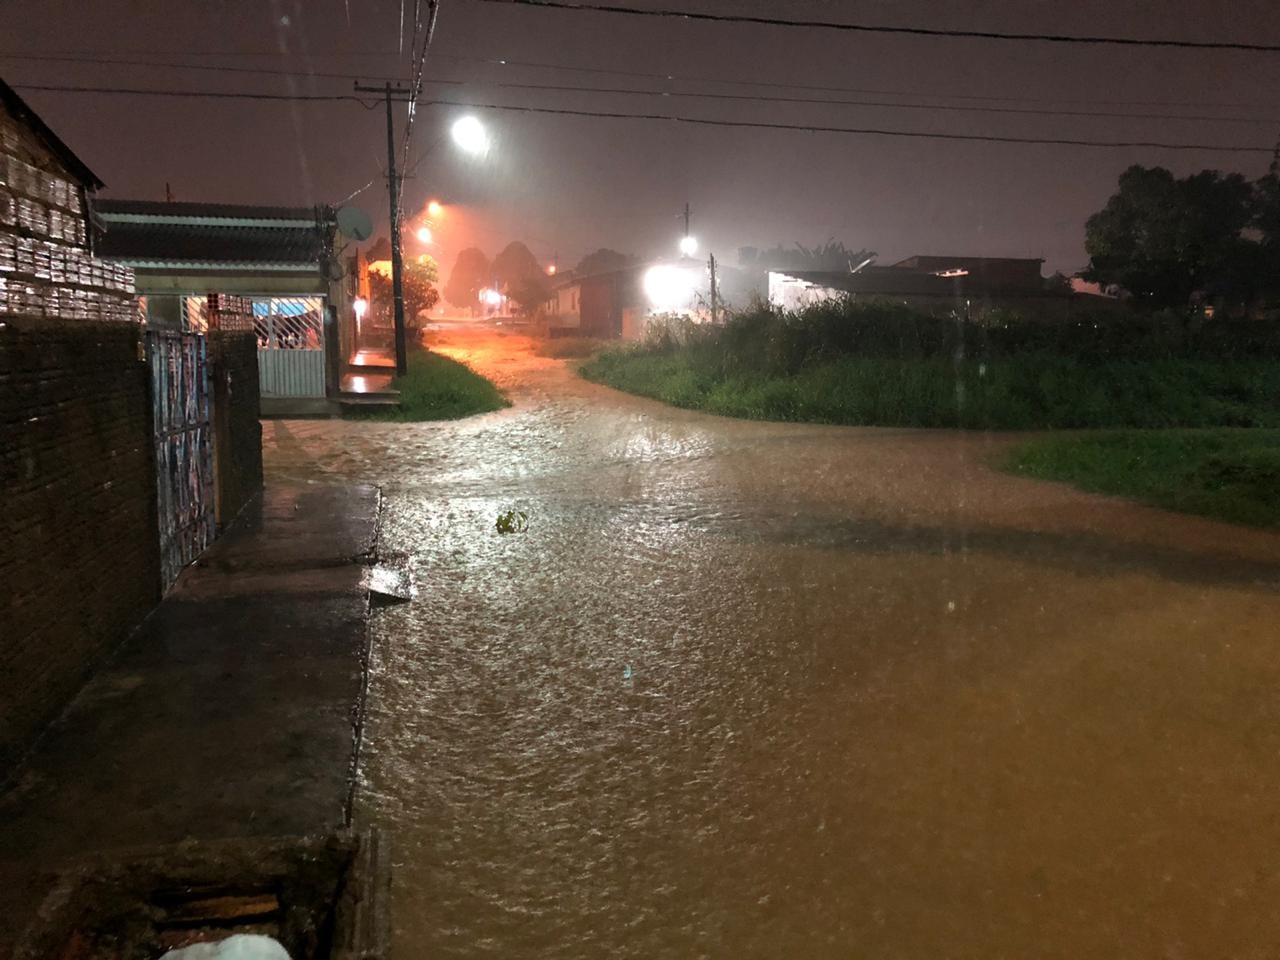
(233, 711)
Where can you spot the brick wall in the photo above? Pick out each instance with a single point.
(78, 557)
(237, 431)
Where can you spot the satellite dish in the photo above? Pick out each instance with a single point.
(354, 223)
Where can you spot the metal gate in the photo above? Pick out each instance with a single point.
(180, 407)
(290, 346)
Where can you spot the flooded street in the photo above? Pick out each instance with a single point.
(778, 690)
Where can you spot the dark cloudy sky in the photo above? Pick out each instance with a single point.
(568, 185)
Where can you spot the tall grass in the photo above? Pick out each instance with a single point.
(436, 387)
(888, 365)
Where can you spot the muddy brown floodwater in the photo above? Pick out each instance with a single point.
(775, 690)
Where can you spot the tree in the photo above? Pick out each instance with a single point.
(513, 264)
(530, 292)
(603, 260)
(417, 277)
(470, 274)
(1266, 220)
(1163, 238)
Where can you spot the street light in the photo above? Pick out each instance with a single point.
(424, 234)
(434, 209)
(470, 135)
(688, 245)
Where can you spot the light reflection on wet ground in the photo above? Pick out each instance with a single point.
(881, 701)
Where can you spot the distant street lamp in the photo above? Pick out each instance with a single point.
(424, 234)
(434, 209)
(470, 135)
(688, 245)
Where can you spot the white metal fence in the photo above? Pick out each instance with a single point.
(290, 333)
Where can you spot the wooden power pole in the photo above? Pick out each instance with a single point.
(393, 191)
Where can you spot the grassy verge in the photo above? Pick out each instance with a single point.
(1231, 475)
(1033, 391)
(563, 348)
(436, 387)
(886, 364)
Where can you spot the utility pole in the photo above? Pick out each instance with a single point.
(686, 219)
(714, 310)
(393, 190)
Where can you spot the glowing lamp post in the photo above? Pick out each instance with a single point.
(669, 289)
(361, 306)
(688, 245)
(424, 235)
(470, 135)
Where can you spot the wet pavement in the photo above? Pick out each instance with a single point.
(231, 712)
(778, 690)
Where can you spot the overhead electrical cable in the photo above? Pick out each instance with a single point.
(696, 121)
(879, 28)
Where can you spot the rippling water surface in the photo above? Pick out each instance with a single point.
(766, 690)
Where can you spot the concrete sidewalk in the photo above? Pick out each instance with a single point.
(233, 711)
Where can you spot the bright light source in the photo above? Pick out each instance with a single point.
(688, 245)
(361, 307)
(551, 270)
(669, 288)
(424, 234)
(470, 134)
(434, 209)
(490, 296)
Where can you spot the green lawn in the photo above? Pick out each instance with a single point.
(436, 387)
(1231, 475)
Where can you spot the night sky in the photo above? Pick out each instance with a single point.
(570, 184)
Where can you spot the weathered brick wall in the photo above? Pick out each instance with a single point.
(79, 557)
(237, 431)
(78, 553)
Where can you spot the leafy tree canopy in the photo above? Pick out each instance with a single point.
(1163, 238)
(513, 264)
(417, 280)
(470, 274)
(603, 260)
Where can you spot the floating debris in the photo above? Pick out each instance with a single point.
(513, 521)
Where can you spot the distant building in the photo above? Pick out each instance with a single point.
(973, 284)
(281, 258)
(606, 305)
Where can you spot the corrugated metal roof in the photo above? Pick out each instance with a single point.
(210, 235)
(164, 211)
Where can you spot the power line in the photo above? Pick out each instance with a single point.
(581, 5)
(755, 98)
(212, 68)
(499, 61)
(866, 131)
(200, 94)
(673, 118)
